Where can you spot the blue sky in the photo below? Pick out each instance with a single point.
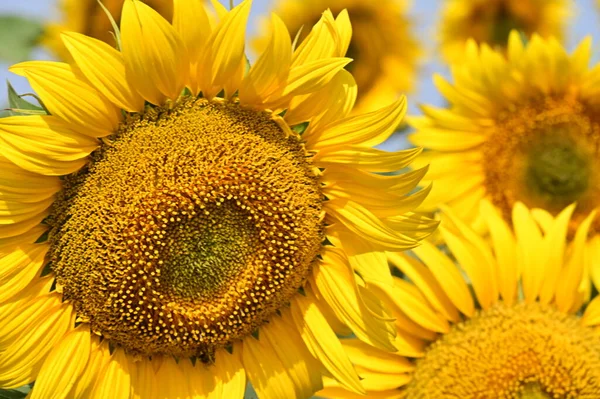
(425, 14)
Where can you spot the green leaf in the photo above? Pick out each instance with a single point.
(18, 106)
(11, 394)
(18, 36)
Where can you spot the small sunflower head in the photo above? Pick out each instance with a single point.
(491, 21)
(523, 127)
(505, 314)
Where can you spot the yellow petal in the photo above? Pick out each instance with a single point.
(69, 97)
(469, 259)
(20, 268)
(555, 242)
(504, 246)
(267, 374)
(269, 74)
(569, 281)
(369, 262)
(344, 30)
(414, 225)
(113, 381)
(367, 159)
(154, 54)
(8, 309)
(8, 231)
(368, 358)
(22, 360)
(21, 185)
(341, 393)
(515, 46)
(378, 369)
(344, 176)
(16, 211)
(425, 281)
(97, 362)
(322, 42)
(177, 386)
(144, 382)
(464, 98)
(591, 316)
(304, 370)
(415, 305)
(44, 144)
(104, 67)
(594, 259)
(334, 280)
(322, 341)
(530, 252)
(229, 374)
(16, 321)
(379, 202)
(194, 26)
(360, 221)
(366, 130)
(220, 9)
(64, 365)
(450, 140)
(333, 102)
(410, 346)
(221, 63)
(406, 325)
(279, 364)
(313, 76)
(474, 256)
(448, 276)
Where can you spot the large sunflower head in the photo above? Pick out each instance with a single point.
(519, 128)
(89, 18)
(503, 316)
(490, 21)
(178, 223)
(384, 49)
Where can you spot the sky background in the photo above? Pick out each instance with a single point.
(424, 13)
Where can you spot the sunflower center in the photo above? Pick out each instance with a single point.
(523, 351)
(547, 156)
(504, 23)
(189, 229)
(556, 168)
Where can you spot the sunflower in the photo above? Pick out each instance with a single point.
(178, 224)
(89, 18)
(507, 320)
(383, 47)
(518, 128)
(490, 21)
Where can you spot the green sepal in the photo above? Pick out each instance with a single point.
(12, 394)
(300, 128)
(19, 36)
(18, 106)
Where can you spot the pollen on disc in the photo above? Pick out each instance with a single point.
(189, 228)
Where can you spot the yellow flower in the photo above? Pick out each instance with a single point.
(383, 47)
(509, 319)
(88, 17)
(490, 21)
(179, 224)
(522, 128)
